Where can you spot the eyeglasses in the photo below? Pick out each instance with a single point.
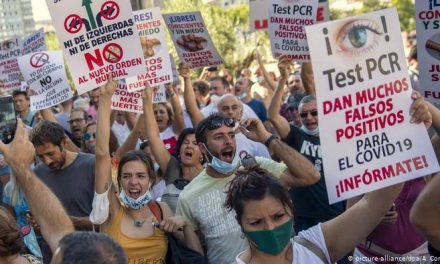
(88, 136)
(78, 120)
(314, 113)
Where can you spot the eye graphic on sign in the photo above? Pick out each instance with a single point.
(357, 37)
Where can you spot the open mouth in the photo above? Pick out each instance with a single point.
(134, 193)
(227, 156)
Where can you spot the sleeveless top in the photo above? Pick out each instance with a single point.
(152, 249)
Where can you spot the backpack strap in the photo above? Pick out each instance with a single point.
(312, 247)
(156, 210)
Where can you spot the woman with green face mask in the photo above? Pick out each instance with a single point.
(265, 213)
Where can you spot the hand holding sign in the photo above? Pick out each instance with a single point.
(148, 93)
(107, 90)
(184, 70)
(419, 110)
(283, 66)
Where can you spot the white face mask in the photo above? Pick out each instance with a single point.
(260, 79)
(241, 96)
(214, 98)
(314, 132)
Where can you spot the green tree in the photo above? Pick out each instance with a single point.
(406, 10)
(228, 28)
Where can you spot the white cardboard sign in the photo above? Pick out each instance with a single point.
(287, 21)
(364, 99)
(428, 49)
(192, 40)
(258, 15)
(154, 46)
(98, 38)
(45, 74)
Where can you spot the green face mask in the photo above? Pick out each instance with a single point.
(272, 241)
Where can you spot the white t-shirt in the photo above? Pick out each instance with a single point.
(255, 149)
(121, 132)
(302, 254)
(202, 203)
(212, 108)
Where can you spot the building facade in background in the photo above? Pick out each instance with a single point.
(16, 18)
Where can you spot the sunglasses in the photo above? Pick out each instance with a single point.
(305, 114)
(88, 136)
(218, 122)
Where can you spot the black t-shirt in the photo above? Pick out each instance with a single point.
(435, 253)
(74, 185)
(311, 201)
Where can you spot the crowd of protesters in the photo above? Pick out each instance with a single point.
(229, 175)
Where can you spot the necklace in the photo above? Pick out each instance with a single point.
(138, 223)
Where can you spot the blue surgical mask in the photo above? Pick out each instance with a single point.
(135, 204)
(222, 166)
(314, 132)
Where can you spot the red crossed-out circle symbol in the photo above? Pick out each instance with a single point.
(39, 59)
(73, 23)
(112, 52)
(110, 10)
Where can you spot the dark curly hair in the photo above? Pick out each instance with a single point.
(253, 185)
(89, 247)
(47, 132)
(11, 240)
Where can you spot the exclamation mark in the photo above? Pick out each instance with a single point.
(425, 161)
(385, 30)
(327, 41)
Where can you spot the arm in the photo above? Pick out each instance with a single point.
(347, 230)
(157, 146)
(131, 141)
(300, 171)
(49, 116)
(189, 95)
(131, 120)
(425, 214)
(52, 219)
(307, 78)
(278, 121)
(103, 179)
(179, 123)
(172, 223)
(271, 85)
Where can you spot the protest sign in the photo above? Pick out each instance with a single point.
(34, 42)
(191, 39)
(45, 74)
(160, 96)
(10, 50)
(98, 38)
(258, 15)
(176, 76)
(364, 99)
(323, 13)
(127, 101)
(428, 48)
(154, 44)
(287, 21)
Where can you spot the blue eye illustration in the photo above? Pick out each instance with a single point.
(357, 37)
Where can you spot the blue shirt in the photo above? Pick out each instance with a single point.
(259, 109)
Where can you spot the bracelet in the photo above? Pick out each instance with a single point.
(269, 140)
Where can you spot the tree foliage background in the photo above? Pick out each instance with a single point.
(229, 28)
